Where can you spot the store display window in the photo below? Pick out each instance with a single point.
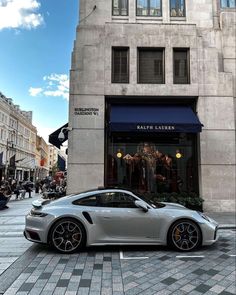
(152, 163)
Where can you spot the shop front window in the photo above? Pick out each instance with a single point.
(153, 163)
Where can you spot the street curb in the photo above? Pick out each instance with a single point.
(8, 277)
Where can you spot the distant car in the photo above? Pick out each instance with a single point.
(116, 217)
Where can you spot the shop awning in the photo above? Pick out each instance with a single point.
(153, 118)
(53, 137)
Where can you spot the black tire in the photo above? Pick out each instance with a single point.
(184, 235)
(67, 236)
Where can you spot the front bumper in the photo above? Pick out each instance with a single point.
(210, 232)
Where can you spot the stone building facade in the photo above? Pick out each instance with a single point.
(117, 43)
(17, 141)
(42, 158)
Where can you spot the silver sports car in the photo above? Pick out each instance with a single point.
(116, 217)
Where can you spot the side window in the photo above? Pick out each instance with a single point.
(88, 201)
(115, 200)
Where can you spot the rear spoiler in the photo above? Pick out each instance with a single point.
(39, 203)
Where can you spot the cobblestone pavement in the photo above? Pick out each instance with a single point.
(12, 222)
(126, 270)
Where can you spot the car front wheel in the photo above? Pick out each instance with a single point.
(67, 235)
(184, 235)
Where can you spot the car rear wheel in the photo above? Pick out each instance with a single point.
(184, 235)
(67, 235)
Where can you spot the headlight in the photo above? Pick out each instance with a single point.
(204, 216)
(37, 213)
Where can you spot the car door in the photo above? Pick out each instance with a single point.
(119, 219)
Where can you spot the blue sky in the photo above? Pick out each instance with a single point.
(36, 41)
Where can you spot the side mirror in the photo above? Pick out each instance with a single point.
(141, 205)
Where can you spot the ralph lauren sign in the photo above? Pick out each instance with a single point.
(156, 127)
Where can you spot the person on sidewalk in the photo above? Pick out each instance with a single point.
(37, 186)
(28, 188)
(17, 190)
(3, 198)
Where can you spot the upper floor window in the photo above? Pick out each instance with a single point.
(149, 8)
(151, 65)
(120, 7)
(177, 8)
(120, 65)
(228, 3)
(181, 66)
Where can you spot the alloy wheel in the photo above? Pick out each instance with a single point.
(67, 236)
(185, 235)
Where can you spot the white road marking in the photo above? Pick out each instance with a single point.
(130, 258)
(232, 255)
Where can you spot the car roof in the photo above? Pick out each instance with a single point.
(98, 191)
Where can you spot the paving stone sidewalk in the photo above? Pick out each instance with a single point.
(105, 271)
(12, 222)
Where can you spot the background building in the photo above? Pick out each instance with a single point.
(155, 77)
(17, 141)
(42, 156)
(57, 160)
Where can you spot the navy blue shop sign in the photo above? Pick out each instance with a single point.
(140, 118)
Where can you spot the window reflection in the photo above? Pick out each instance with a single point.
(177, 8)
(120, 7)
(149, 7)
(228, 3)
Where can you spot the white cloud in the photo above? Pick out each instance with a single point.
(45, 132)
(35, 91)
(20, 14)
(56, 85)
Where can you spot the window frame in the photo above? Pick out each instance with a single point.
(187, 50)
(120, 8)
(148, 8)
(177, 6)
(112, 63)
(163, 63)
